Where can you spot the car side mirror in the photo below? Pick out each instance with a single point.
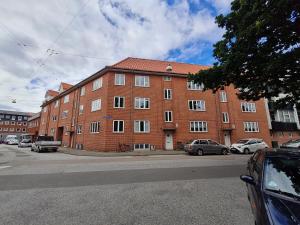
(247, 179)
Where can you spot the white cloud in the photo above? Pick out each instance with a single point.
(106, 31)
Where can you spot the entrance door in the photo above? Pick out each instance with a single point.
(169, 142)
(227, 140)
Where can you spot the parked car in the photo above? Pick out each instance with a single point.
(25, 143)
(291, 144)
(273, 185)
(8, 137)
(205, 146)
(45, 143)
(12, 141)
(247, 146)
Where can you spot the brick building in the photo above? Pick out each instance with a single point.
(34, 125)
(13, 123)
(140, 103)
(283, 123)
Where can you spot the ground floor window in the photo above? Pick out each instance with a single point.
(95, 127)
(141, 146)
(198, 126)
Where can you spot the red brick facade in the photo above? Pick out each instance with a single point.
(62, 120)
(34, 125)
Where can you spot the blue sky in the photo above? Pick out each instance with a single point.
(46, 42)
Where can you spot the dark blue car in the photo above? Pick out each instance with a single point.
(273, 184)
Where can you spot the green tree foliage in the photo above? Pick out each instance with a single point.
(259, 52)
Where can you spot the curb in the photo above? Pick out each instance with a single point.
(118, 154)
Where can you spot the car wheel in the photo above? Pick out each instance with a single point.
(224, 151)
(246, 151)
(38, 150)
(31, 149)
(200, 152)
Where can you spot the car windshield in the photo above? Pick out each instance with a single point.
(243, 141)
(282, 175)
(46, 138)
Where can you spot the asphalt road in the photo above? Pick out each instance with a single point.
(55, 188)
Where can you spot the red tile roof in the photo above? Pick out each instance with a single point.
(157, 66)
(52, 93)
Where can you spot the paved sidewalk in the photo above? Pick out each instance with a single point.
(110, 154)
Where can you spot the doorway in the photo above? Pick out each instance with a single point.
(169, 142)
(227, 139)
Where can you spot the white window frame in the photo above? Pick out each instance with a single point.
(194, 87)
(119, 97)
(64, 114)
(118, 126)
(13, 123)
(79, 129)
(223, 96)
(82, 91)
(56, 103)
(23, 129)
(142, 81)
(225, 117)
(251, 127)
(167, 78)
(96, 105)
(6, 122)
(11, 129)
(97, 84)
(66, 98)
(168, 116)
(95, 127)
(81, 108)
(14, 117)
(248, 107)
(198, 124)
(137, 126)
(197, 103)
(140, 101)
(119, 79)
(167, 94)
(5, 129)
(141, 147)
(286, 116)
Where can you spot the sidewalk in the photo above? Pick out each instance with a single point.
(112, 154)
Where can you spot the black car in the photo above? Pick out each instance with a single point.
(273, 184)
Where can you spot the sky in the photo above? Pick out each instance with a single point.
(43, 43)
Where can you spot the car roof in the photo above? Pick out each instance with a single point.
(279, 152)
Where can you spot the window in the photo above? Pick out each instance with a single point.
(52, 131)
(54, 118)
(225, 117)
(6, 122)
(66, 99)
(79, 129)
(168, 116)
(248, 107)
(64, 114)
(12, 123)
(80, 109)
(24, 130)
(19, 118)
(119, 79)
(25, 117)
(24, 124)
(97, 84)
(251, 127)
(118, 126)
(197, 105)
(56, 103)
(11, 129)
(5, 129)
(142, 81)
(1, 116)
(82, 91)
(96, 105)
(14, 117)
(141, 126)
(194, 86)
(141, 146)
(286, 116)
(223, 96)
(8, 117)
(142, 103)
(119, 102)
(95, 127)
(198, 126)
(167, 78)
(168, 93)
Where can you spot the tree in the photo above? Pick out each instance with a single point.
(259, 52)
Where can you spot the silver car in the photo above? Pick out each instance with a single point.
(205, 146)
